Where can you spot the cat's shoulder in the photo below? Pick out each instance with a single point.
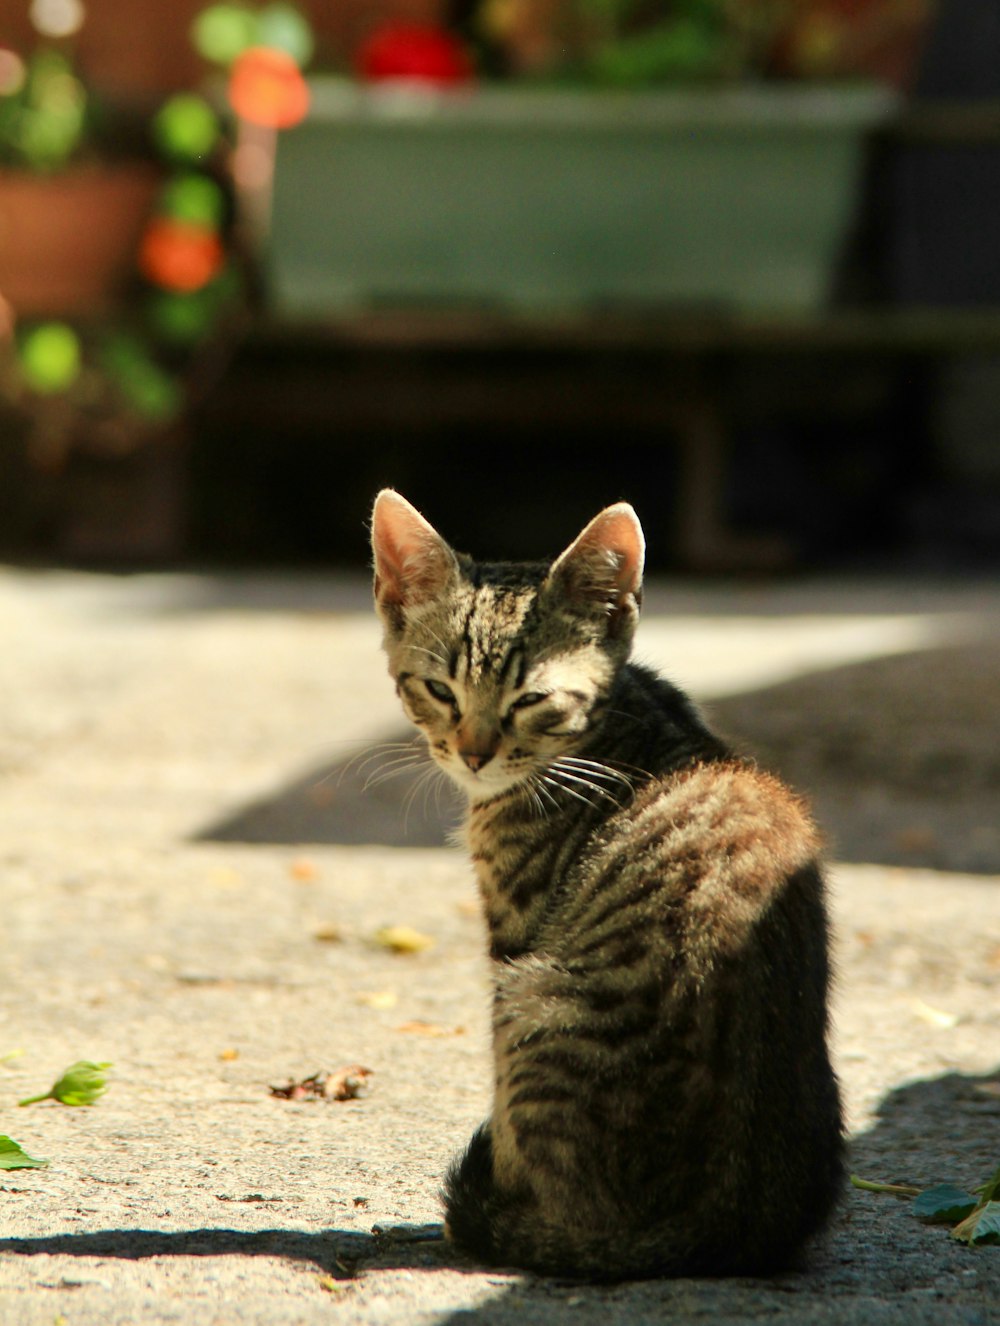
(729, 816)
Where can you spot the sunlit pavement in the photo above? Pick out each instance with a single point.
(146, 716)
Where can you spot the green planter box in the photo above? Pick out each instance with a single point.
(560, 200)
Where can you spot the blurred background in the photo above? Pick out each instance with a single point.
(733, 260)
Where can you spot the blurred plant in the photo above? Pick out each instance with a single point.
(43, 109)
(111, 385)
(633, 43)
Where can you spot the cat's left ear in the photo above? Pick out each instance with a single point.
(602, 567)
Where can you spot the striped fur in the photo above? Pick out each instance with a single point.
(664, 1102)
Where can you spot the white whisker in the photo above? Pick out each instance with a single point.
(570, 791)
(565, 776)
(615, 768)
(422, 783)
(385, 775)
(431, 653)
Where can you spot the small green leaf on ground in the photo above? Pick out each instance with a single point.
(944, 1204)
(982, 1226)
(81, 1084)
(12, 1156)
(329, 1285)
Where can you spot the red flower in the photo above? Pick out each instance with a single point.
(414, 51)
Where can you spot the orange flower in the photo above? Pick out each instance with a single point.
(266, 87)
(180, 255)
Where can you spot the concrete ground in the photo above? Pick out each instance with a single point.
(191, 882)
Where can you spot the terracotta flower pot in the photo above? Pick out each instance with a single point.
(68, 241)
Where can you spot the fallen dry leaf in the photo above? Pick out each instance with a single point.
(402, 939)
(349, 1083)
(935, 1017)
(225, 877)
(379, 999)
(328, 934)
(417, 1027)
(916, 838)
(303, 869)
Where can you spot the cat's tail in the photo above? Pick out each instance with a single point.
(504, 1228)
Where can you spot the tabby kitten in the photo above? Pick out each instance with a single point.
(664, 1102)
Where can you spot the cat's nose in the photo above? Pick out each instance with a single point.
(475, 759)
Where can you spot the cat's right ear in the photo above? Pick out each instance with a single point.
(413, 564)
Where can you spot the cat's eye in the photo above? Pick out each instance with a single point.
(529, 698)
(440, 691)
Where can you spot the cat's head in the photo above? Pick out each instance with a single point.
(505, 668)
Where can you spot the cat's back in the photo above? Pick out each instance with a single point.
(702, 882)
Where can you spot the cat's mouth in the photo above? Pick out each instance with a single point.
(484, 782)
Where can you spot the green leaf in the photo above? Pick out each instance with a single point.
(12, 1157)
(982, 1226)
(943, 1204)
(987, 1226)
(990, 1191)
(81, 1084)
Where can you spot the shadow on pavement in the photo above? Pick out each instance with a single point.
(900, 756)
(338, 1253)
(367, 798)
(877, 1264)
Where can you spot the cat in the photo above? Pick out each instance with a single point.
(664, 1102)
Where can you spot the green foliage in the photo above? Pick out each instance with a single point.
(144, 386)
(186, 128)
(12, 1156)
(975, 1220)
(944, 1204)
(81, 1084)
(221, 33)
(982, 1226)
(50, 356)
(43, 121)
(191, 196)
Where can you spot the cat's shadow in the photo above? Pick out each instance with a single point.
(339, 1253)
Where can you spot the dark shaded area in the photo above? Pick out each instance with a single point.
(900, 757)
(338, 1253)
(829, 451)
(361, 799)
(876, 1262)
(946, 181)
